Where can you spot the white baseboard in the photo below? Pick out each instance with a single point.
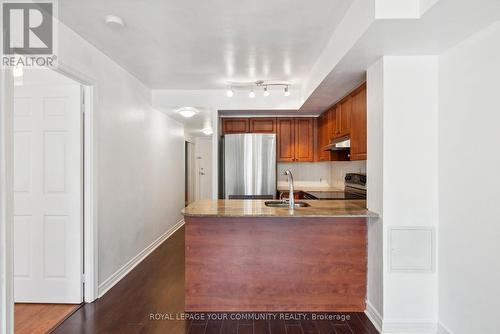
(442, 329)
(374, 315)
(127, 267)
(400, 327)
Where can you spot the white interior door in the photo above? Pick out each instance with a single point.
(48, 229)
(204, 167)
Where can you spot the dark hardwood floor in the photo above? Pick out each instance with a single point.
(150, 299)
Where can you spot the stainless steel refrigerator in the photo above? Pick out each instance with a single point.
(249, 170)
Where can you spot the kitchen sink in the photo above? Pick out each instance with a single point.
(285, 204)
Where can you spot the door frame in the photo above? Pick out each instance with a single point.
(89, 151)
(197, 166)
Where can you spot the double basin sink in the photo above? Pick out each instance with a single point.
(285, 204)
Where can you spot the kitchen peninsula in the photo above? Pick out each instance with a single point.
(242, 255)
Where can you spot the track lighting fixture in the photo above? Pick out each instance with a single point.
(250, 87)
(287, 92)
(266, 92)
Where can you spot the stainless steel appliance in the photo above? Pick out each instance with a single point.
(354, 188)
(249, 166)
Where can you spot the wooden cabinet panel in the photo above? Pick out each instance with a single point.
(323, 136)
(285, 139)
(331, 118)
(235, 125)
(296, 137)
(343, 118)
(328, 275)
(263, 125)
(304, 139)
(358, 124)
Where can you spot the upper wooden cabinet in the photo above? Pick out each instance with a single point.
(323, 137)
(235, 125)
(331, 119)
(358, 124)
(263, 125)
(285, 140)
(304, 139)
(346, 119)
(343, 120)
(295, 139)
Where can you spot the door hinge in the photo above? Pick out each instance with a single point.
(83, 278)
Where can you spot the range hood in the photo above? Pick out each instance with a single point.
(343, 145)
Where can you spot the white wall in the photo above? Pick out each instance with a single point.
(402, 142)
(375, 178)
(140, 157)
(410, 178)
(6, 201)
(316, 174)
(469, 183)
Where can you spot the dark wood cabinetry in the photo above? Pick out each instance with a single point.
(235, 125)
(358, 124)
(345, 120)
(304, 139)
(295, 139)
(262, 125)
(295, 136)
(323, 137)
(285, 149)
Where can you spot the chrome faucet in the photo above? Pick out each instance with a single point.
(291, 199)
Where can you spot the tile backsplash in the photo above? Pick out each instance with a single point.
(318, 174)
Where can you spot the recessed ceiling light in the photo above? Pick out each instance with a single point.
(207, 131)
(187, 111)
(251, 94)
(114, 21)
(229, 92)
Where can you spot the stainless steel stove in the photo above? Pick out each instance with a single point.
(354, 188)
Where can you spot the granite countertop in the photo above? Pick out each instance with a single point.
(257, 208)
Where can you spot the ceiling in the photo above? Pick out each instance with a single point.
(192, 44)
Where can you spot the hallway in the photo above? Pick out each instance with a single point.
(156, 286)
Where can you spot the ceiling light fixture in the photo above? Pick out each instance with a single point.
(251, 86)
(287, 92)
(114, 21)
(207, 131)
(266, 92)
(187, 112)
